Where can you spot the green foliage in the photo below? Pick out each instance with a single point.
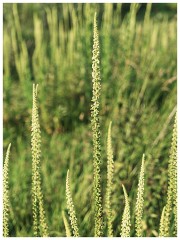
(126, 219)
(138, 77)
(140, 202)
(110, 170)
(71, 209)
(6, 194)
(39, 219)
(98, 211)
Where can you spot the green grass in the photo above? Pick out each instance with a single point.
(138, 77)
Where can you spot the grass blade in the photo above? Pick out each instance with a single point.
(66, 224)
(162, 227)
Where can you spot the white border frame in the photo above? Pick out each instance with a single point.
(1, 95)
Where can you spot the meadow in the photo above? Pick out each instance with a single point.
(51, 45)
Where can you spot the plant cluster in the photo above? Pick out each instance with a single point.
(133, 96)
(39, 219)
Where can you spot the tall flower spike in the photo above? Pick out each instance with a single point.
(98, 211)
(173, 173)
(126, 222)
(110, 170)
(66, 224)
(172, 185)
(6, 194)
(39, 219)
(162, 227)
(70, 207)
(140, 202)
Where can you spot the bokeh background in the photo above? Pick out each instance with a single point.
(51, 44)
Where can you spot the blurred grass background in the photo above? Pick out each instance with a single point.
(51, 44)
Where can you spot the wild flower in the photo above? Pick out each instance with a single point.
(98, 211)
(110, 170)
(171, 204)
(140, 202)
(126, 223)
(70, 207)
(6, 194)
(39, 219)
